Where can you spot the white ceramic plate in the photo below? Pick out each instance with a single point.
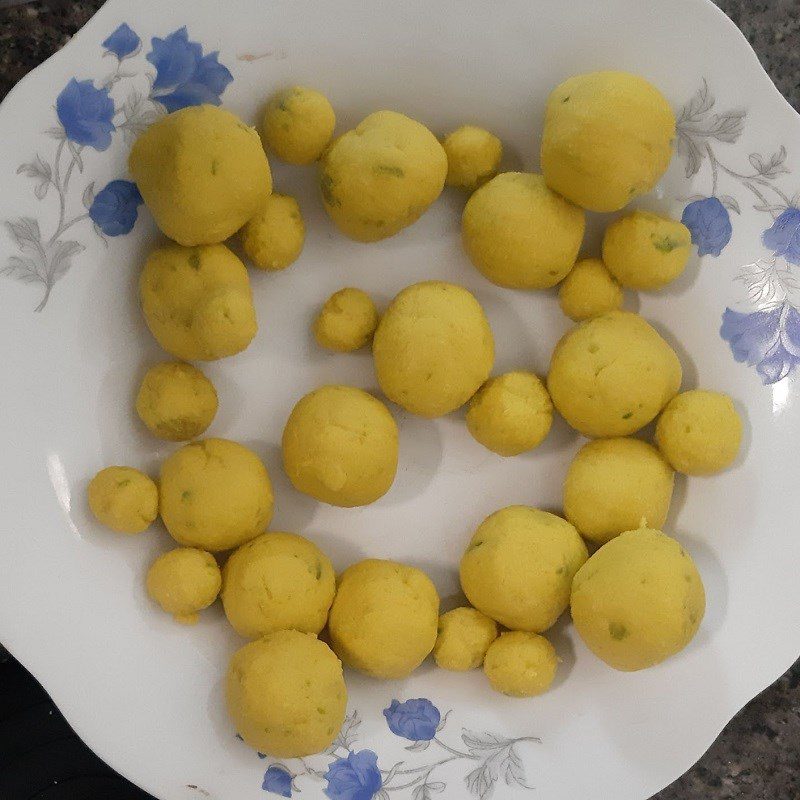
(145, 693)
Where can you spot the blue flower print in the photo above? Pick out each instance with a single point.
(123, 43)
(278, 780)
(416, 720)
(114, 210)
(710, 225)
(184, 76)
(783, 238)
(356, 777)
(86, 114)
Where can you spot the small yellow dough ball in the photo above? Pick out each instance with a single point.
(346, 322)
(519, 233)
(520, 664)
(589, 290)
(340, 446)
(278, 581)
(616, 485)
(519, 566)
(464, 637)
(298, 124)
(197, 301)
(511, 413)
(202, 173)
(473, 156)
(381, 176)
(286, 694)
(273, 238)
(215, 494)
(176, 401)
(384, 618)
(607, 139)
(433, 348)
(638, 600)
(183, 582)
(699, 432)
(123, 499)
(611, 375)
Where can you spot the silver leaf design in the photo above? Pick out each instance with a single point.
(41, 172)
(88, 196)
(421, 792)
(730, 203)
(56, 132)
(76, 154)
(27, 270)
(419, 746)
(139, 113)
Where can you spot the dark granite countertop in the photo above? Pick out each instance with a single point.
(756, 756)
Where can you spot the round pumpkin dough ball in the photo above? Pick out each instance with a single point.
(384, 618)
(519, 233)
(215, 495)
(202, 173)
(340, 446)
(346, 322)
(511, 413)
(286, 694)
(611, 375)
(123, 499)
(607, 139)
(197, 301)
(638, 600)
(589, 291)
(519, 566)
(520, 664)
(616, 485)
(298, 124)
(473, 156)
(277, 581)
(183, 582)
(273, 238)
(176, 401)
(381, 176)
(464, 637)
(699, 432)
(433, 348)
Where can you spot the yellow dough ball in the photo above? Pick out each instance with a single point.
(520, 664)
(346, 322)
(384, 618)
(519, 566)
(286, 694)
(197, 301)
(699, 432)
(215, 494)
(611, 375)
(123, 499)
(638, 600)
(511, 413)
(273, 238)
(589, 290)
(183, 582)
(473, 156)
(298, 124)
(202, 173)
(433, 348)
(616, 485)
(381, 176)
(278, 581)
(607, 139)
(176, 401)
(464, 637)
(340, 446)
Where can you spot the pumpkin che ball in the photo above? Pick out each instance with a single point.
(464, 637)
(298, 124)
(589, 291)
(520, 664)
(183, 582)
(473, 156)
(273, 238)
(347, 321)
(123, 499)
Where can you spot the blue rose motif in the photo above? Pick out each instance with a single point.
(356, 777)
(710, 224)
(184, 76)
(783, 238)
(278, 780)
(123, 42)
(114, 209)
(416, 720)
(86, 114)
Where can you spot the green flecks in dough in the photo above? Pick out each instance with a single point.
(565, 99)
(618, 631)
(665, 244)
(474, 545)
(387, 169)
(628, 415)
(194, 261)
(186, 495)
(214, 166)
(123, 482)
(326, 185)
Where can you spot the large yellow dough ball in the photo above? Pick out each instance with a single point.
(638, 600)
(616, 485)
(519, 566)
(520, 664)
(123, 499)
(384, 618)
(278, 581)
(197, 301)
(611, 375)
(511, 413)
(183, 582)
(215, 494)
(607, 139)
(433, 348)
(464, 637)
(286, 694)
(202, 173)
(699, 432)
(347, 321)
(519, 233)
(298, 124)
(473, 156)
(589, 291)
(273, 238)
(340, 446)
(381, 176)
